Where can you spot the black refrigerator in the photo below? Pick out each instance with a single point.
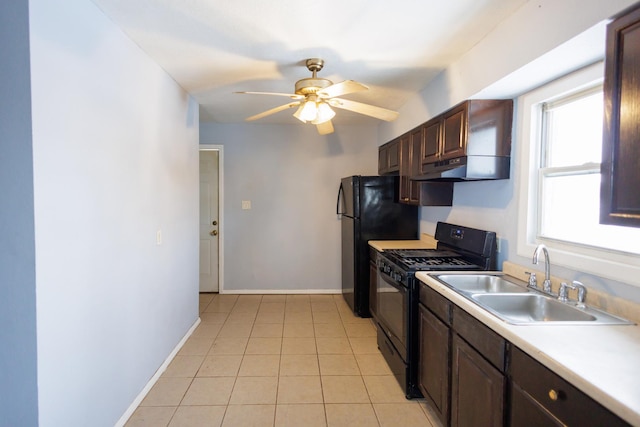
(369, 210)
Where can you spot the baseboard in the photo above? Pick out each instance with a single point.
(280, 291)
(136, 402)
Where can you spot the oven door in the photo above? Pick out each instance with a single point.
(393, 306)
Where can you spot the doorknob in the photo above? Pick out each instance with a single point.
(213, 232)
(214, 222)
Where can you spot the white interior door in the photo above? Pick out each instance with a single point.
(209, 221)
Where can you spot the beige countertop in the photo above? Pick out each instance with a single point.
(602, 361)
(426, 242)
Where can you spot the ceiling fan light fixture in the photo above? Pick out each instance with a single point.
(325, 113)
(298, 113)
(307, 111)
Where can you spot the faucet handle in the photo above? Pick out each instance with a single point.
(533, 280)
(563, 293)
(582, 293)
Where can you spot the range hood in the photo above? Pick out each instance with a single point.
(466, 168)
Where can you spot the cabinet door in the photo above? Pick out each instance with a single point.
(383, 159)
(431, 141)
(405, 169)
(620, 185)
(477, 388)
(393, 156)
(415, 165)
(433, 366)
(454, 132)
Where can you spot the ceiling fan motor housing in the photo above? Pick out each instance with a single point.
(314, 84)
(311, 85)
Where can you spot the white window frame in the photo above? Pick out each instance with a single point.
(605, 263)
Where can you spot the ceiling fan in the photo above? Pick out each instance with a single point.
(315, 96)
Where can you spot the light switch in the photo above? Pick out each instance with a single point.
(159, 237)
(246, 204)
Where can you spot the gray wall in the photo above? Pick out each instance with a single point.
(18, 378)
(290, 240)
(115, 159)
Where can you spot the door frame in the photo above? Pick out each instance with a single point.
(220, 150)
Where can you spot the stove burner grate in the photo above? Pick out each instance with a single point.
(425, 262)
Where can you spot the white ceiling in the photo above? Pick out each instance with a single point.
(213, 48)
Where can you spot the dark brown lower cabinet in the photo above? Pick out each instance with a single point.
(477, 388)
(539, 397)
(464, 375)
(433, 372)
(525, 411)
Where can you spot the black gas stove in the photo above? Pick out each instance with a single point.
(459, 249)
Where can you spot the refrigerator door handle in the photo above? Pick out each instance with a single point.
(340, 191)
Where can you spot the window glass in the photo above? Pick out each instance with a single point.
(571, 206)
(574, 129)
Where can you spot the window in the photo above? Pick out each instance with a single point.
(561, 142)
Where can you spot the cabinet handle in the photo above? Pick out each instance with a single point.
(553, 395)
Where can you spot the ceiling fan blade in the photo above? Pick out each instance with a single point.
(342, 88)
(366, 109)
(289, 95)
(325, 128)
(273, 111)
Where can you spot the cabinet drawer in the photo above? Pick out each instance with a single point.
(435, 302)
(491, 345)
(564, 401)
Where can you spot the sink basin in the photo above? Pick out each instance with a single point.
(519, 308)
(511, 301)
(480, 283)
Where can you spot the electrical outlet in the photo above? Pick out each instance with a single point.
(498, 245)
(246, 204)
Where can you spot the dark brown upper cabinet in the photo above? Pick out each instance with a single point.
(416, 192)
(471, 141)
(407, 193)
(431, 148)
(389, 158)
(620, 185)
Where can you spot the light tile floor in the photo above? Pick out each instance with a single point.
(279, 360)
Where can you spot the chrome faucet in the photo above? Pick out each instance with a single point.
(546, 285)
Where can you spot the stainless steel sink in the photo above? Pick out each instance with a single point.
(518, 308)
(511, 301)
(480, 283)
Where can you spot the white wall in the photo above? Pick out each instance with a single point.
(290, 239)
(115, 147)
(542, 40)
(18, 386)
